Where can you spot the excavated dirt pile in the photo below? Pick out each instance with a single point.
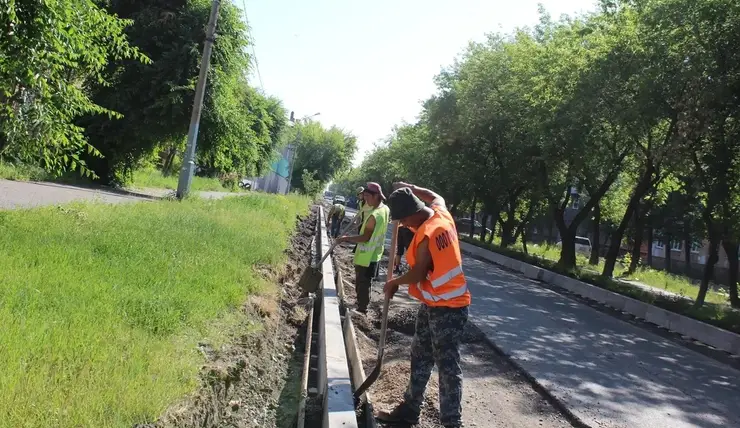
(254, 380)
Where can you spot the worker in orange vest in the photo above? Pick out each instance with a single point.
(436, 279)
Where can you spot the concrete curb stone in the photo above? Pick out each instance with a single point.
(697, 330)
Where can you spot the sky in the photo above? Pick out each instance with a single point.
(366, 66)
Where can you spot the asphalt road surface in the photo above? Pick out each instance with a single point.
(607, 372)
(19, 194)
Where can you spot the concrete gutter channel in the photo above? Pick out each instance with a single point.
(338, 365)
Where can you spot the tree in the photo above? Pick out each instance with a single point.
(49, 53)
(323, 152)
(239, 127)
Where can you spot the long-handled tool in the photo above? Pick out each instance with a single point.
(384, 320)
(312, 276)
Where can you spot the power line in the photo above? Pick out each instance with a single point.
(251, 38)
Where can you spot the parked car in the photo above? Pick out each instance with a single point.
(583, 245)
(463, 226)
(246, 184)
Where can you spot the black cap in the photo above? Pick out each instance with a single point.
(404, 203)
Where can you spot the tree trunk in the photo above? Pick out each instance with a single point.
(567, 258)
(731, 250)
(667, 252)
(637, 242)
(687, 254)
(708, 269)
(640, 190)
(494, 222)
(650, 245)
(472, 218)
(524, 240)
(484, 220)
(595, 238)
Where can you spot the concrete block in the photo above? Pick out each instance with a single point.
(636, 308)
(657, 316)
(335, 378)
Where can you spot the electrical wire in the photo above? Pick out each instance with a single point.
(251, 39)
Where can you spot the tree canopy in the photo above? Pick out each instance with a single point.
(614, 118)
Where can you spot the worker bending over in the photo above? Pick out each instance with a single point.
(436, 279)
(370, 242)
(336, 215)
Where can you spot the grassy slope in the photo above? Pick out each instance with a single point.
(154, 179)
(721, 315)
(102, 306)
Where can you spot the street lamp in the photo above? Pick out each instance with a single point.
(292, 147)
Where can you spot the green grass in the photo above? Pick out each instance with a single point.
(716, 311)
(21, 172)
(153, 178)
(102, 306)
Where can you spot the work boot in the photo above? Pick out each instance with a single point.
(402, 414)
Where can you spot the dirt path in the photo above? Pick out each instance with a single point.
(254, 381)
(494, 395)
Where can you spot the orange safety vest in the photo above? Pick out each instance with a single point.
(445, 284)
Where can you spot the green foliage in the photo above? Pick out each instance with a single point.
(103, 325)
(152, 178)
(50, 53)
(310, 185)
(323, 152)
(239, 126)
(633, 107)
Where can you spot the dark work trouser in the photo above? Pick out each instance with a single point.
(437, 341)
(363, 282)
(336, 223)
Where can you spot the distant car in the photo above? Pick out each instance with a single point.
(339, 200)
(583, 245)
(463, 225)
(245, 184)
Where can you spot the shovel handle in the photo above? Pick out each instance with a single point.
(384, 321)
(386, 300)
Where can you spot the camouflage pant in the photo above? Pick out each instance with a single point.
(437, 340)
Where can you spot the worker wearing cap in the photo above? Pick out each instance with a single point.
(370, 242)
(436, 279)
(361, 206)
(336, 215)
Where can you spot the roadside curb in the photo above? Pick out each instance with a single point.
(135, 194)
(705, 333)
(541, 389)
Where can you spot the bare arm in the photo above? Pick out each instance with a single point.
(356, 239)
(427, 196)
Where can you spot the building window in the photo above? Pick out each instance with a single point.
(676, 245)
(658, 244)
(575, 203)
(695, 247)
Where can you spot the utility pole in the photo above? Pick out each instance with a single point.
(188, 162)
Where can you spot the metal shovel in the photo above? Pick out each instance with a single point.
(312, 276)
(384, 320)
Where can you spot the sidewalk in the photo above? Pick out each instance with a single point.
(606, 372)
